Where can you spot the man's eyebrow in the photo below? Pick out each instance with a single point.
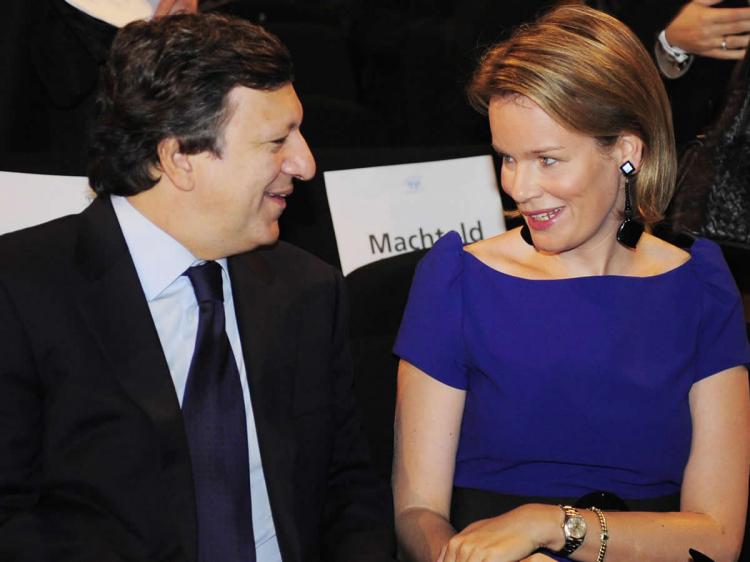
(292, 126)
(276, 136)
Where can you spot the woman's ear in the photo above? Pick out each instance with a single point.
(176, 165)
(629, 147)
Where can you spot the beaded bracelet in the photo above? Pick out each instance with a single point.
(603, 535)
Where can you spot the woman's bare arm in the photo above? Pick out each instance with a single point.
(714, 497)
(428, 420)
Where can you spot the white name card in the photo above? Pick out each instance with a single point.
(116, 12)
(382, 211)
(31, 199)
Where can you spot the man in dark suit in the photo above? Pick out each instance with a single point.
(175, 384)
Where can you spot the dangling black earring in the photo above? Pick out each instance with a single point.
(526, 234)
(630, 229)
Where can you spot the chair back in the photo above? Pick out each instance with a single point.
(30, 199)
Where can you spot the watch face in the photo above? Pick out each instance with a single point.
(576, 527)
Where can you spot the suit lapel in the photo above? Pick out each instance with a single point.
(267, 336)
(113, 303)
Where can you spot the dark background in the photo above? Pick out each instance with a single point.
(370, 74)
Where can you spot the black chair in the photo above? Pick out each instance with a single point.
(377, 295)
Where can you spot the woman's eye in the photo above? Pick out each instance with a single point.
(547, 160)
(505, 158)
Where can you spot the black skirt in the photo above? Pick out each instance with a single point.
(469, 505)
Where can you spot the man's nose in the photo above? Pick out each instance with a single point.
(299, 162)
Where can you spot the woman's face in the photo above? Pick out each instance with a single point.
(568, 188)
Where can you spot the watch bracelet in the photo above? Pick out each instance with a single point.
(603, 533)
(571, 544)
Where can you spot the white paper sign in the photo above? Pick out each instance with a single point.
(387, 210)
(31, 199)
(116, 12)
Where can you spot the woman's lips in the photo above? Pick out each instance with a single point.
(543, 218)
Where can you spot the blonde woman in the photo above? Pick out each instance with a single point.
(579, 361)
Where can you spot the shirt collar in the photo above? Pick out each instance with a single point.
(159, 259)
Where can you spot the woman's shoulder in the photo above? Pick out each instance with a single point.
(446, 261)
(709, 266)
(722, 340)
(701, 266)
(708, 253)
(656, 256)
(509, 254)
(443, 263)
(502, 248)
(445, 252)
(703, 257)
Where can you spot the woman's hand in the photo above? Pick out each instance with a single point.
(511, 537)
(707, 31)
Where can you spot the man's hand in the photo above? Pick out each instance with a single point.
(706, 31)
(168, 7)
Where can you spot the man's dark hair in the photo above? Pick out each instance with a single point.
(170, 77)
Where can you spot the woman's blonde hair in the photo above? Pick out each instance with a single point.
(588, 72)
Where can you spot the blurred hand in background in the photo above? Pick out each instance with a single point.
(705, 30)
(167, 7)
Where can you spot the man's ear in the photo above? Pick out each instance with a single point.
(174, 164)
(629, 147)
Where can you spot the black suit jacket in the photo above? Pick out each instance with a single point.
(94, 464)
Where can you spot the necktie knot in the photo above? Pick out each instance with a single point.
(206, 281)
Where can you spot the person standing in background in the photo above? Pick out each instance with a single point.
(696, 45)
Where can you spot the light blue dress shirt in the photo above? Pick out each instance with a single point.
(160, 262)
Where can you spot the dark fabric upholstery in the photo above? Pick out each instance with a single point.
(377, 293)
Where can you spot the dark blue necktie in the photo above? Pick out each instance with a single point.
(215, 422)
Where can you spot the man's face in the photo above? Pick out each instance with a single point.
(239, 196)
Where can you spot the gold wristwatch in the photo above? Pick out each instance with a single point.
(574, 530)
